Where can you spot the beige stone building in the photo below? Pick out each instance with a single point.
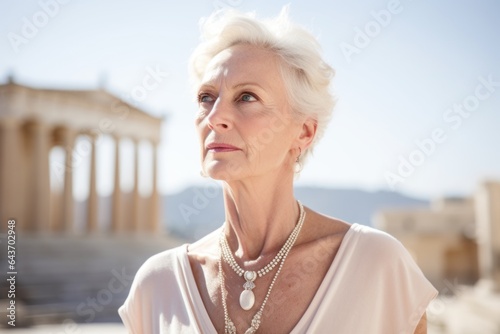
(33, 121)
(455, 241)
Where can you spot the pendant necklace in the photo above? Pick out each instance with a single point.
(247, 297)
(229, 327)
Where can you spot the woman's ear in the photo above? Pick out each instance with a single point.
(307, 133)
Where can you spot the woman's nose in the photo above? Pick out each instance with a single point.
(219, 118)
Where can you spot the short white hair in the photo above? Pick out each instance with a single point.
(305, 74)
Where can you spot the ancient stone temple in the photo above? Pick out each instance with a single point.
(76, 259)
(33, 121)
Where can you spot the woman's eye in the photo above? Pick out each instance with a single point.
(204, 98)
(247, 97)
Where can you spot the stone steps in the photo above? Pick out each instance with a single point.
(81, 278)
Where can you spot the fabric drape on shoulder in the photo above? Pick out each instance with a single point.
(160, 298)
(372, 286)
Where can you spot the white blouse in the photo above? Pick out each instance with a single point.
(372, 286)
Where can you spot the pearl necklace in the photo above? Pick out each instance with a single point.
(247, 297)
(229, 327)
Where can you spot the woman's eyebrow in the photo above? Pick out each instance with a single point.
(210, 85)
(248, 84)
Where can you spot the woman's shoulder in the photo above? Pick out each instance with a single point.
(160, 266)
(380, 253)
(378, 241)
(362, 238)
(154, 285)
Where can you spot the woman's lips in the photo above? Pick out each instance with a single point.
(220, 147)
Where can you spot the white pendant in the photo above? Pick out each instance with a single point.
(247, 299)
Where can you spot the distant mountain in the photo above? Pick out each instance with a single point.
(196, 211)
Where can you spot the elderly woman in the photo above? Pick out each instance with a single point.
(275, 266)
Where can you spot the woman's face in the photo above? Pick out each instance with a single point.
(244, 121)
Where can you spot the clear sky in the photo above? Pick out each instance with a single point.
(418, 82)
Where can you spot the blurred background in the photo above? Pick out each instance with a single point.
(99, 165)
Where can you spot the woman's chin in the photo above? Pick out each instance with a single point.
(222, 170)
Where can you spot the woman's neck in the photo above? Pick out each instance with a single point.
(260, 215)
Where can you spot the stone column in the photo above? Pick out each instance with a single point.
(40, 196)
(68, 142)
(116, 215)
(11, 194)
(92, 219)
(135, 226)
(488, 231)
(155, 205)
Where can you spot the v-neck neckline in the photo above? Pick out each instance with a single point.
(207, 321)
